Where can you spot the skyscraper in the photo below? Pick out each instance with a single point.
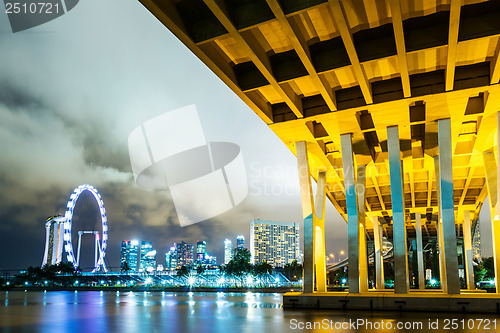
(240, 242)
(128, 254)
(275, 242)
(171, 259)
(185, 255)
(201, 252)
(228, 251)
(148, 256)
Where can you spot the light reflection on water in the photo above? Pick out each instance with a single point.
(89, 311)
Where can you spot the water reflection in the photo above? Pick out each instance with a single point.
(206, 312)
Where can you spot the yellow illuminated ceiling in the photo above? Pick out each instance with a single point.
(316, 69)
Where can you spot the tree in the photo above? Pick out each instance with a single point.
(125, 267)
(263, 268)
(183, 271)
(484, 270)
(293, 270)
(239, 265)
(200, 269)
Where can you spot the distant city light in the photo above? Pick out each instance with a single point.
(191, 280)
(149, 280)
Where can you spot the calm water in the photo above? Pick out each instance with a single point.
(88, 311)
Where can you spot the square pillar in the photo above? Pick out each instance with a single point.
(420, 254)
(399, 229)
(495, 223)
(307, 213)
(352, 212)
(471, 285)
(492, 176)
(379, 258)
(314, 226)
(439, 229)
(361, 201)
(319, 233)
(452, 285)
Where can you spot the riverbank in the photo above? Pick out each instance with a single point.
(280, 290)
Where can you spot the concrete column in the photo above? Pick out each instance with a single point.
(439, 230)
(495, 223)
(492, 176)
(379, 260)
(471, 285)
(420, 253)
(447, 206)
(398, 218)
(361, 201)
(307, 212)
(319, 233)
(352, 212)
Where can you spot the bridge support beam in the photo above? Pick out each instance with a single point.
(355, 202)
(420, 254)
(492, 177)
(361, 201)
(319, 233)
(471, 285)
(439, 226)
(379, 256)
(314, 230)
(452, 285)
(401, 284)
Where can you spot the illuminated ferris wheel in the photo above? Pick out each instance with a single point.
(100, 241)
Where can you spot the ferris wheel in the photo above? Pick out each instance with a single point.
(101, 241)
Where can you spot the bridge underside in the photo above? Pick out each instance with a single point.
(391, 106)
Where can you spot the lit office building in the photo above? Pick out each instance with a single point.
(171, 259)
(148, 257)
(228, 251)
(128, 254)
(201, 252)
(275, 242)
(185, 255)
(240, 242)
(476, 242)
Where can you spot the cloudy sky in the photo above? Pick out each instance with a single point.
(71, 92)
